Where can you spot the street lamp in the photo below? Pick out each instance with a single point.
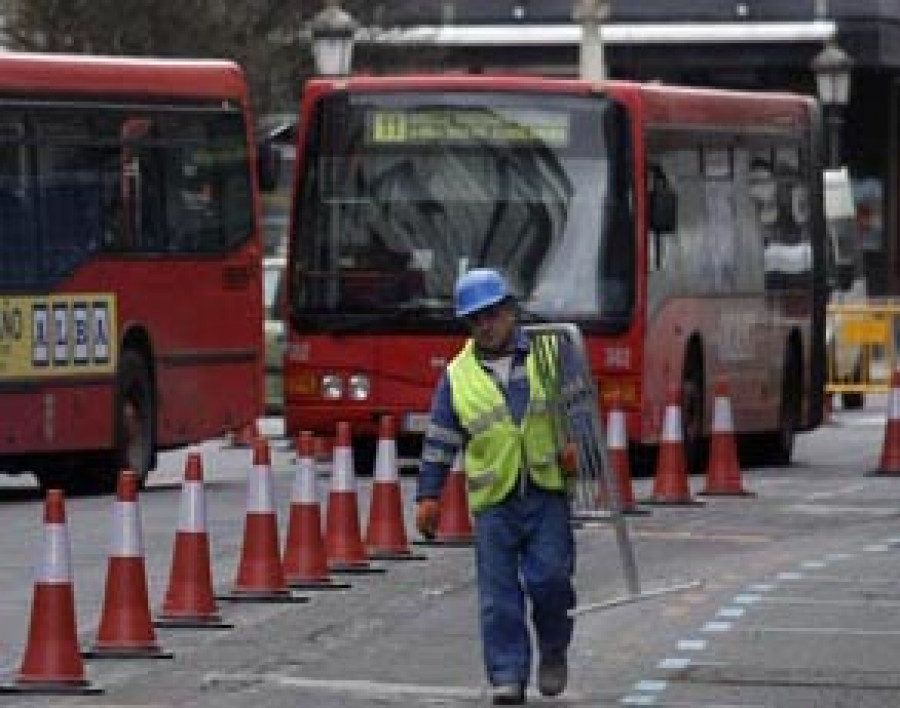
(591, 13)
(333, 31)
(832, 68)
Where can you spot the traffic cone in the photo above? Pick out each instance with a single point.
(260, 575)
(126, 630)
(723, 472)
(305, 562)
(890, 451)
(455, 522)
(190, 601)
(670, 483)
(385, 531)
(52, 662)
(617, 447)
(343, 539)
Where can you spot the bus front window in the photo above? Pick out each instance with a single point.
(425, 186)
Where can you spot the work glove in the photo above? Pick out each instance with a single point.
(428, 513)
(568, 459)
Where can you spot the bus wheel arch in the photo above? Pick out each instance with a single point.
(135, 409)
(693, 406)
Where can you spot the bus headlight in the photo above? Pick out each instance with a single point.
(332, 387)
(358, 387)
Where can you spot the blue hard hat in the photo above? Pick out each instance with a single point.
(479, 288)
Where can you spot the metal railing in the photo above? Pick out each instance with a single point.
(573, 402)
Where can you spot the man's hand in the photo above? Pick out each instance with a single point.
(568, 459)
(428, 513)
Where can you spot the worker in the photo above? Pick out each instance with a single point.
(488, 402)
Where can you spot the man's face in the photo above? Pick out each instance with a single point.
(492, 328)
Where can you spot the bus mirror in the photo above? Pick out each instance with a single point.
(663, 210)
(268, 166)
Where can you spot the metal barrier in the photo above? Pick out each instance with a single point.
(861, 347)
(572, 399)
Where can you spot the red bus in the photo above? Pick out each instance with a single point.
(680, 228)
(130, 286)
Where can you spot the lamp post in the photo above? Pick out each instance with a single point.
(333, 32)
(832, 68)
(591, 13)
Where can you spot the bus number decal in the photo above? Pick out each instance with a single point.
(57, 335)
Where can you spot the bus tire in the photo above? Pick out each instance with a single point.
(776, 448)
(693, 393)
(365, 449)
(852, 401)
(135, 422)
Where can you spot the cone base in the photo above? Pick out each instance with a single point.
(154, 652)
(884, 473)
(726, 493)
(673, 502)
(635, 511)
(356, 568)
(192, 623)
(394, 555)
(320, 584)
(262, 596)
(448, 542)
(50, 688)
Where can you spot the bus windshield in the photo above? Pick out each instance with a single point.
(402, 193)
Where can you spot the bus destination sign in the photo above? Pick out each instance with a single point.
(468, 126)
(57, 335)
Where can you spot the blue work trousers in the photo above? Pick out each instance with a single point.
(524, 546)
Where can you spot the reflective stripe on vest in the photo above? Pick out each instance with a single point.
(497, 447)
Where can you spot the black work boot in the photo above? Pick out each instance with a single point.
(553, 674)
(508, 694)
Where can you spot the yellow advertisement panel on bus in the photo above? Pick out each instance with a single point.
(57, 335)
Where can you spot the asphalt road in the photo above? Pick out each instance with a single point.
(788, 597)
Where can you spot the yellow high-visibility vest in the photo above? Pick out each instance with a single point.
(498, 448)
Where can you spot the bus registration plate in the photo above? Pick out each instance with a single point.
(415, 422)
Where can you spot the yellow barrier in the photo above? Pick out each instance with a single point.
(861, 348)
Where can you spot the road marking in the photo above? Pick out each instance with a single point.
(749, 599)
(843, 631)
(790, 575)
(651, 685)
(837, 579)
(700, 536)
(834, 510)
(692, 644)
(762, 587)
(843, 490)
(716, 627)
(866, 602)
(357, 687)
(674, 663)
(730, 612)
